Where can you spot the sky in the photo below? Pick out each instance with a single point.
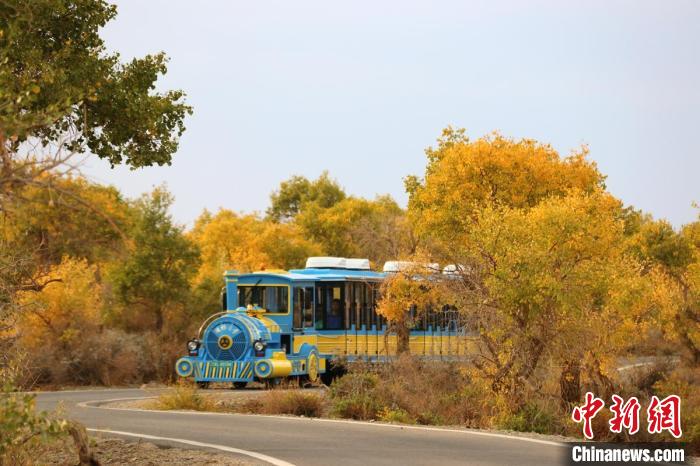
(361, 88)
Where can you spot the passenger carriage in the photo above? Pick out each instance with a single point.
(300, 323)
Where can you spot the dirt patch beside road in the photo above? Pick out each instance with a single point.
(110, 451)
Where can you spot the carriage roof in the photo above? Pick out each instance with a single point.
(306, 275)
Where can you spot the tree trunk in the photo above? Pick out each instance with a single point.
(402, 338)
(82, 444)
(159, 319)
(570, 383)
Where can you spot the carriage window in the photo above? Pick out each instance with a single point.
(298, 307)
(303, 307)
(309, 307)
(330, 310)
(274, 299)
(350, 304)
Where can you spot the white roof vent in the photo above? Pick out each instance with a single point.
(326, 263)
(398, 266)
(453, 269)
(357, 264)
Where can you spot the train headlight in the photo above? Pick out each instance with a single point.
(259, 346)
(193, 346)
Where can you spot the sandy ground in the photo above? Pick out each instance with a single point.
(109, 451)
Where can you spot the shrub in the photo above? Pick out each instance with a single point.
(295, 402)
(412, 391)
(530, 418)
(20, 425)
(353, 395)
(684, 382)
(396, 415)
(184, 396)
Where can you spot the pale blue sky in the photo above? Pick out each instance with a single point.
(362, 88)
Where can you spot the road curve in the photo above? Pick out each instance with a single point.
(303, 441)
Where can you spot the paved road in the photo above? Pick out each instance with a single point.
(306, 441)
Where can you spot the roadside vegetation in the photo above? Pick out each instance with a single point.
(438, 393)
(557, 279)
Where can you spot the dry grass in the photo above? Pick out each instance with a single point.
(294, 402)
(184, 396)
(410, 391)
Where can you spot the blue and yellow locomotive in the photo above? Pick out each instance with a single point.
(298, 323)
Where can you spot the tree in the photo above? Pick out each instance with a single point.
(71, 217)
(672, 259)
(247, 243)
(462, 176)
(411, 287)
(60, 319)
(356, 227)
(539, 285)
(59, 86)
(541, 249)
(293, 194)
(156, 275)
(62, 94)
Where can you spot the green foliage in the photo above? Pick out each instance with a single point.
(19, 422)
(342, 225)
(531, 418)
(157, 273)
(56, 78)
(657, 242)
(353, 396)
(294, 193)
(395, 415)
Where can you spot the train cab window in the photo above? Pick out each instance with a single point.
(274, 299)
(303, 308)
(223, 299)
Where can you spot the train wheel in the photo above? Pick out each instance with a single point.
(203, 385)
(239, 385)
(312, 367)
(272, 383)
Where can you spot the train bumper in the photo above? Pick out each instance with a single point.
(216, 371)
(275, 367)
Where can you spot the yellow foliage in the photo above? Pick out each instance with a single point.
(410, 287)
(73, 217)
(66, 311)
(355, 227)
(246, 243)
(464, 175)
(545, 279)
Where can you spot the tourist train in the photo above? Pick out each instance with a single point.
(306, 323)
